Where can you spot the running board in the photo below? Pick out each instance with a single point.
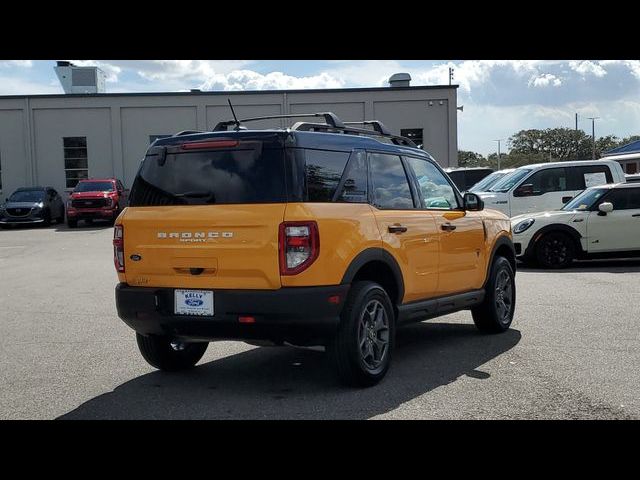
(425, 309)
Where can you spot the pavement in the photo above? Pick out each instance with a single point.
(573, 351)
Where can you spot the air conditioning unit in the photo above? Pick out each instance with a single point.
(76, 79)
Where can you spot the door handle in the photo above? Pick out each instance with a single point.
(447, 227)
(397, 229)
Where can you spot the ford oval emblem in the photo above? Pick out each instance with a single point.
(193, 302)
(135, 257)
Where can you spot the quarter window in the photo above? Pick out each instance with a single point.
(75, 160)
(389, 181)
(354, 186)
(435, 190)
(323, 170)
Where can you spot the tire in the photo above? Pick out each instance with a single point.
(555, 250)
(495, 313)
(362, 348)
(159, 352)
(60, 219)
(72, 223)
(47, 218)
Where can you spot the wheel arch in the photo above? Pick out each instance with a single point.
(502, 247)
(557, 227)
(378, 265)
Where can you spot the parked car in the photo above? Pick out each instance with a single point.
(96, 199)
(548, 186)
(635, 177)
(465, 178)
(602, 221)
(487, 182)
(325, 237)
(32, 205)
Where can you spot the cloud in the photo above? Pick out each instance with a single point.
(16, 63)
(250, 80)
(545, 80)
(15, 85)
(588, 67)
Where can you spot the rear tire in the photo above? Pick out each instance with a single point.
(495, 313)
(72, 223)
(361, 350)
(164, 354)
(60, 219)
(555, 250)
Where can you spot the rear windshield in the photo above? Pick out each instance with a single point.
(94, 187)
(247, 174)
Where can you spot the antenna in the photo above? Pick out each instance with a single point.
(234, 114)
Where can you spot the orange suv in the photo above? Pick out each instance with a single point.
(319, 234)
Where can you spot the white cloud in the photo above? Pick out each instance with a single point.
(545, 80)
(250, 80)
(11, 85)
(16, 63)
(588, 67)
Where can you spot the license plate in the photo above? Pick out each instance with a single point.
(194, 302)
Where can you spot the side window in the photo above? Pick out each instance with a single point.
(354, 185)
(619, 198)
(323, 170)
(548, 180)
(589, 176)
(633, 198)
(435, 190)
(389, 182)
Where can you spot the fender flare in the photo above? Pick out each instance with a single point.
(502, 240)
(556, 227)
(379, 255)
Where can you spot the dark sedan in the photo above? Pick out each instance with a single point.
(32, 205)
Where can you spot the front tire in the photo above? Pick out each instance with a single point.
(72, 223)
(361, 350)
(555, 250)
(495, 313)
(165, 354)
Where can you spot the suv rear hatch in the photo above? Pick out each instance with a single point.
(205, 213)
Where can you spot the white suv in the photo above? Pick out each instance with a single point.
(602, 221)
(548, 186)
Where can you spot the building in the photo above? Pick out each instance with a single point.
(55, 140)
(627, 155)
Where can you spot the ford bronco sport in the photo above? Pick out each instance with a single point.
(319, 234)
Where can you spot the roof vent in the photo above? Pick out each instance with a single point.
(399, 80)
(76, 79)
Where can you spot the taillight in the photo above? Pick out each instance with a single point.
(299, 246)
(210, 144)
(118, 247)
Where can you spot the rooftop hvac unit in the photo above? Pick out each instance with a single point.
(76, 79)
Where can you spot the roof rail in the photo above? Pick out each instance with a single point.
(333, 124)
(186, 132)
(329, 117)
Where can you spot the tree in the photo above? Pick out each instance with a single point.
(470, 159)
(559, 144)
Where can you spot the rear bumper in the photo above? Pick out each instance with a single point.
(301, 314)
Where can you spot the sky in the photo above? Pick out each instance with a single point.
(500, 97)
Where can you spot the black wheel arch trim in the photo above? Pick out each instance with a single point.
(379, 255)
(555, 227)
(501, 241)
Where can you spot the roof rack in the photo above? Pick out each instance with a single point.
(333, 124)
(187, 132)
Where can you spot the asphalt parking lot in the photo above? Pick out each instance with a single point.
(573, 351)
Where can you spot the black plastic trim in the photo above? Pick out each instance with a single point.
(435, 307)
(377, 255)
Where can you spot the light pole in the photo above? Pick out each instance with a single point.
(593, 135)
(499, 140)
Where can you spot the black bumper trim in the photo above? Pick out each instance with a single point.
(287, 314)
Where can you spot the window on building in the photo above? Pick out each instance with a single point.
(390, 185)
(75, 160)
(153, 138)
(414, 134)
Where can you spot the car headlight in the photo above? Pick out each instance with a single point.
(523, 225)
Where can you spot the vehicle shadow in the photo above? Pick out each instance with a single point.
(96, 226)
(621, 265)
(290, 383)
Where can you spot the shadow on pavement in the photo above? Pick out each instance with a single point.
(270, 383)
(84, 227)
(623, 265)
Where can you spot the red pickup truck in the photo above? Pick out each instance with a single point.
(96, 199)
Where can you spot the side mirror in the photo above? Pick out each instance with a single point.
(605, 207)
(525, 190)
(566, 199)
(473, 202)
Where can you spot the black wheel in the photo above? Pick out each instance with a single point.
(46, 216)
(361, 350)
(89, 221)
(495, 313)
(555, 250)
(60, 219)
(72, 223)
(171, 355)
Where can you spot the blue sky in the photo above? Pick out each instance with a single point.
(500, 97)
